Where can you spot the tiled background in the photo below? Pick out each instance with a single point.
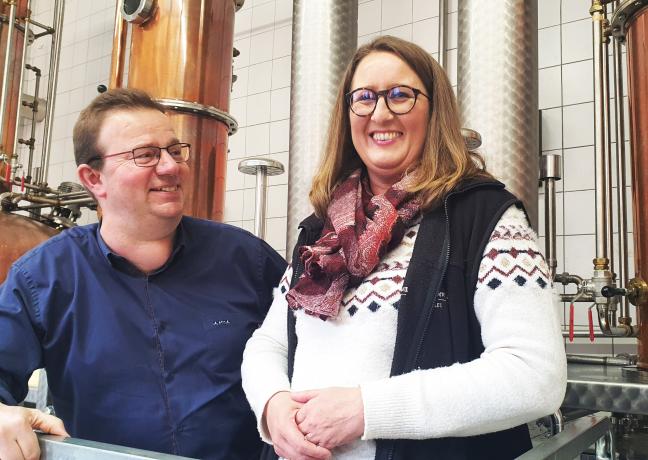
(261, 100)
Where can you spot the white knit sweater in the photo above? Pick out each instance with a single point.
(519, 377)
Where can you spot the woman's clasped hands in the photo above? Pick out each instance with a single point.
(309, 424)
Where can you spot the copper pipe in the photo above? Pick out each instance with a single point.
(4, 92)
(637, 55)
(21, 77)
(119, 50)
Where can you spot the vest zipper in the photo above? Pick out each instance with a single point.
(443, 272)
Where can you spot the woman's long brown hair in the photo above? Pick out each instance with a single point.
(445, 161)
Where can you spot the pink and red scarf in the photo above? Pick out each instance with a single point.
(359, 229)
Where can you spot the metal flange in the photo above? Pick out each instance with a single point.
(624, 15)
(201, 109)
(638, 291)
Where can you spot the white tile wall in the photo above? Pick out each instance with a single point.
(261, 98)
(396, 13)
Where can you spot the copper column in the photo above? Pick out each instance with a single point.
(182, 56)
(637, 50)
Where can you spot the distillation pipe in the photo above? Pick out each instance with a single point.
(20, 81)
(443, 33)
(6, 70)
(622, 202)
(605, 64)
(34, 108)
(599, 145)
(59, 8)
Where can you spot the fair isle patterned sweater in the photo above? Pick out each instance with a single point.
(505, 387)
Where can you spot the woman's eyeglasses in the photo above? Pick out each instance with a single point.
(399, 99)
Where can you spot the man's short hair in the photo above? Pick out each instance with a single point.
(88, 125)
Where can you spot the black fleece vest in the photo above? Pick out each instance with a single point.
(437, 325)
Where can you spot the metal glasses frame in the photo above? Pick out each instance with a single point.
(181, 144)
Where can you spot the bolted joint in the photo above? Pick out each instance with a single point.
(637, 291)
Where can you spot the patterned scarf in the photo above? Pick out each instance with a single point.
(359, 229)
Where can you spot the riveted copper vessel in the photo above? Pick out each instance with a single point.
(19, 234)
(637, 56)
(183, 53)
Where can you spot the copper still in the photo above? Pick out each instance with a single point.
(19, 235)
(180, 52)
(637, 55)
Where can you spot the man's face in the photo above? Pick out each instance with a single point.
(133, 192)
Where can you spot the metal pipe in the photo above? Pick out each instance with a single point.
(586, 335)
(33, 122)
(6, 69)
(48, 30)
(622, 202)
(599, 145)
(59, 9)
(261, 168)
(550, 173)
(18, 197)
(117, 74)
(260, 209)
(602, 360)
(579, 297)
(21, 78)
(550, 226)
(605, 41)
(611, 330)
(443, 33)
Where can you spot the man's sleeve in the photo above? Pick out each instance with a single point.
(20, 349)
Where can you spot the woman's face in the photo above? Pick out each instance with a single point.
(387, 143)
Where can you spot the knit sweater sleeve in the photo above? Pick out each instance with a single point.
(520, 376)
(265, 359)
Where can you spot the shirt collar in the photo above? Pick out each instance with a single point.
(121, 263)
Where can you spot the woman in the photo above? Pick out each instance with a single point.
(420, 315)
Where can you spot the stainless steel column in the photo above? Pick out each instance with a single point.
(497, 89)
(324, 39)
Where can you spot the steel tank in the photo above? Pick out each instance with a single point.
(180, 52)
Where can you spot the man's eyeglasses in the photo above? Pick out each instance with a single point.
(399, 99)
(149, 156)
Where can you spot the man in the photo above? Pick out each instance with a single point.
(141, 320)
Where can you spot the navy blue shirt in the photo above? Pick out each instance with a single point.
(144, 360)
